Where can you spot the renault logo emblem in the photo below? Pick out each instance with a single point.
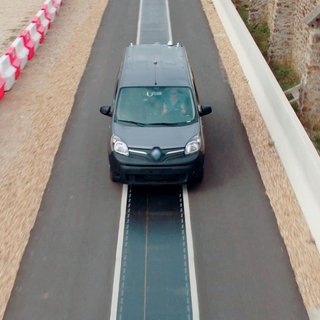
(156, 154)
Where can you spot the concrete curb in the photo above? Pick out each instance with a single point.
(314, 314)
(296, 151)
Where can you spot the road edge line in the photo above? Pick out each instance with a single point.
(192, 269)
(169, 21)
(117, 268)
(139, 22)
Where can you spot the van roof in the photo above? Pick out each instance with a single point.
(155, 65)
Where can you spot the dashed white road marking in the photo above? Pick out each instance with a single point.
(185, 255)
(192, 269)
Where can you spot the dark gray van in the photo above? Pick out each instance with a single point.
(156, 118)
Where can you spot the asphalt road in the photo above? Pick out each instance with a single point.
(242, 266)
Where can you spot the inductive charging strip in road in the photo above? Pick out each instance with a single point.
(154, 277)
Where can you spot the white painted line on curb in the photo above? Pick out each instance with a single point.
(192, 269)
(117, 269)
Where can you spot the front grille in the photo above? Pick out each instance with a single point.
(166, 154)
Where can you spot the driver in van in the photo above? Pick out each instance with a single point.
(173, 103)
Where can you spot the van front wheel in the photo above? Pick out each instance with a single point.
(197, 177)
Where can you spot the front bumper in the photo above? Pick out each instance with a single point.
(129, 170)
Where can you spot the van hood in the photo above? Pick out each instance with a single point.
(149, 137)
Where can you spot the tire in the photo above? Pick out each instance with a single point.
(197, 177)
(113, 177)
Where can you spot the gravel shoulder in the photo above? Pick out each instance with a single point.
(15, 15)
(33, 116)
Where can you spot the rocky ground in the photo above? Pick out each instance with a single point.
(34, 113)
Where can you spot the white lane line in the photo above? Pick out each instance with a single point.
(192, 269)
(146, 262)
(117, 269)
(139, 23)
(168, 21)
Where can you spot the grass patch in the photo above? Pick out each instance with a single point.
(296, 107)
(260, 32)
(243, 12)
(285, 75)
(317, 141)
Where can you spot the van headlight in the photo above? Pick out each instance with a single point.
(118, 146)
(193, 145)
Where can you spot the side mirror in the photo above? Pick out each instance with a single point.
(106, 110)
(205, 110)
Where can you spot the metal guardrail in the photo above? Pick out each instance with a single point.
(296, 151)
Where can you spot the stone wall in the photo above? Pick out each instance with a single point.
(271, 4)
(293, 42)
(301, 31)
(258, 11)
(310, 83)
(282, 31)
(288, 34)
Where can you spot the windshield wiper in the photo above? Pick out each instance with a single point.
(169, 124)
(132, 122)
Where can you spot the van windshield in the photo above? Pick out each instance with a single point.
(155, 106)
